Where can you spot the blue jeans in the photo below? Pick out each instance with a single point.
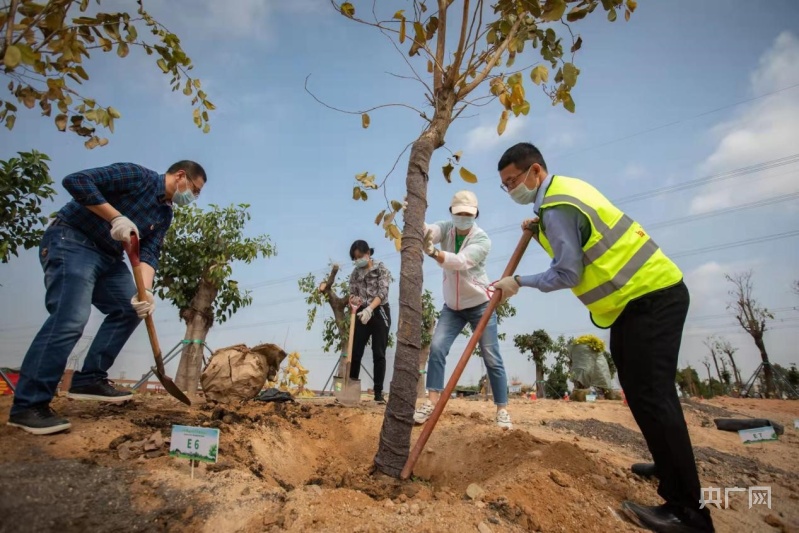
(449, 326)
(76, 275)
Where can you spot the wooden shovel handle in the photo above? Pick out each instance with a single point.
(132, 249)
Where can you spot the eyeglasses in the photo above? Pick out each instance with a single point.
(193, 187)
(511, 184)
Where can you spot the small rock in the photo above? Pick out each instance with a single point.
(441, 495)
(601, 480)
(318, 490)
(536, 453)
(125, 452)
(482, 527)
(415, 510)
(207, 425)
(558, 478)
(227, 419)
(154, 454)
(114, 444)
(402, 498)
(493, 519)
(188, 513)
(475, 491)
(773, 521)
(480, 505)
(712, 460)
(388, 503)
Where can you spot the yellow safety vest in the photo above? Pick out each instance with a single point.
(621, 261)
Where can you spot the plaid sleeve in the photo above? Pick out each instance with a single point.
(150, 247)
(88, 187)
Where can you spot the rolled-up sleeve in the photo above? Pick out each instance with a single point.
(150, 247)
(89, 187)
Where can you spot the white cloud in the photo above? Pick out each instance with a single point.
(484, 138)
(765, 130)
(634, 171)
(558, 137)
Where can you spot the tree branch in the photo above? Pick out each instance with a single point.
(438, 73)
(420, 113)
(12, 12)
(491, 62)
(459, 52)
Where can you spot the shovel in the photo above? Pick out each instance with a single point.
(132, 249)
(350, 394)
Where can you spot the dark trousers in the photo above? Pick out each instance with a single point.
(377, 328)
(77, 275)
(645, 344)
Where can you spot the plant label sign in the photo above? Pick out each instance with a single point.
(764, 434)
(590, 397)
(199, 444)
(796, 423)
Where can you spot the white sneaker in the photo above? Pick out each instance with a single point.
(503, 419)
(423, 412)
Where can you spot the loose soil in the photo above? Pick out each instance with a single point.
(306, 466)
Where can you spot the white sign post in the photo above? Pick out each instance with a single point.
(195, 444)
(764, 434)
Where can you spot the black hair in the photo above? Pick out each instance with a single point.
(361, 246)
(523, 155)
(193, 170)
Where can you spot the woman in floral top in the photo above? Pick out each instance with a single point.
(369, 291)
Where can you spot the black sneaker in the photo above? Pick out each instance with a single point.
(39, 420)
(379, 398)
(101, 391)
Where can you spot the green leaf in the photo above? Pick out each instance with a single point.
(365, 120)
(553, 10)
(522, 108)
(396, 206)
(12, 57)
(539, 74)
(122, 49)
(29, 57)
(347, 9)
(363, 195)
(577, 13)
(467, 176)
(568, 103)
(612, 15)
(447, 169)
(162, 64)
(570, 73)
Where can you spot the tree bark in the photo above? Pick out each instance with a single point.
(766, 364)
(339, 306)
(199, 319)
(541, 392)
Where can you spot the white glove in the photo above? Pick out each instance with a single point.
(145, 308)
(121, 227)
(365, 315)
(429, 247)
(509, 287)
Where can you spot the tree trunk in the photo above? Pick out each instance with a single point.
(541, 392)
(735, 374)
(395, 434)
(709, 383)
(198, 318)
(766, 364)
(716, 362)
(423, 356)
(339, 306)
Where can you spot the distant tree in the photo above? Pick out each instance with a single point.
(558, 375)
(724, 346)
(706, 362)
(712, 345)
(793, 376)
(24, 184)
(536, 345)
(752, 317)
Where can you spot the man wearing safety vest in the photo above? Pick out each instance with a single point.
(630, 286)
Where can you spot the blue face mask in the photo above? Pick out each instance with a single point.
(522, 195)
(183, 197)
(363, 262)
(462, 222)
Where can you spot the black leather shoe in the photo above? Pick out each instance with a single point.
(666, 519)
(644, 469)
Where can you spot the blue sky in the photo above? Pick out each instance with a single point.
(685, 90)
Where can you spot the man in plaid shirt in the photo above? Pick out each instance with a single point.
(82, 257)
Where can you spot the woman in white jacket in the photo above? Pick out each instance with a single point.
(464, 249)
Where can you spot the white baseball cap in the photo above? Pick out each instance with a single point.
(464, 202)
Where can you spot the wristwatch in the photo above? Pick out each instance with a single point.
(435, 253)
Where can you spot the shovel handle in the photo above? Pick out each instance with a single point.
(132, 249)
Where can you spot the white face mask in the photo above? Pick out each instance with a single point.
(522, 195)
(462, 222)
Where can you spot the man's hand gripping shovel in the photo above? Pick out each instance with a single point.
(132, 249)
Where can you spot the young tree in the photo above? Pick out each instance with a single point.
(24, 183)
(458, 64)
(752, 317)
(558, 375)
(706, 362)
(536, 345)
(336, 295)
(42, 51)
(793, 376)
(724, 346)
(195, 275)
(712, 344)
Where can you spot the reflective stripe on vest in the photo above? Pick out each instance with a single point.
(621, 262)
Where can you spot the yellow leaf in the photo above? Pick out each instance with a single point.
(356, 193)
(80, 72)
(61, 122)
(447, 169)
(365, 120)
(379, 217)
(196, 83)
(206, 128)
(503, 99)
(429, 66)
(12, 57)
(29, 57)
(402, 31)
(467, 176)
(539, 74)
(399, 14)
(398, 244)
(347, 9)
(522, 108)
(395, 205)
(394, 231)
(517, 95)
(388, 219)
(103, 141)
(162, 64)
(122, 49)
(503, 121)
(631, 5)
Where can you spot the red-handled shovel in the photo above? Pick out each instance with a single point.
(132, 249)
